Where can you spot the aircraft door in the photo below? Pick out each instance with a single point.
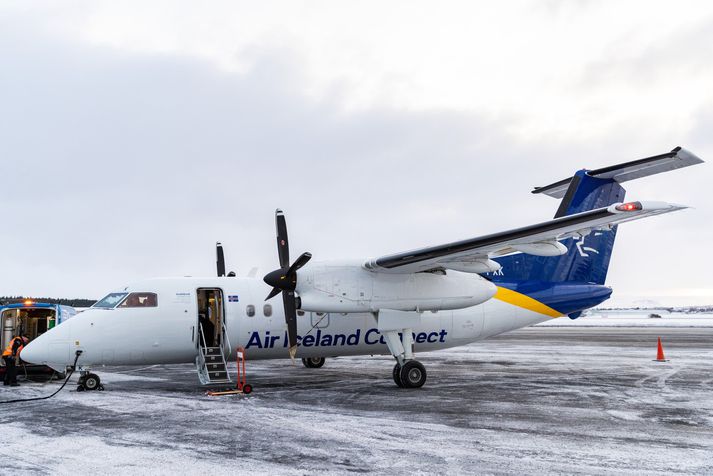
(211, 314)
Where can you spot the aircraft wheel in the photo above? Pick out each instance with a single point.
(91, 382)
(413, 374)
(313, 362)
(397, 375)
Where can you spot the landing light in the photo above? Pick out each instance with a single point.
(629, 207)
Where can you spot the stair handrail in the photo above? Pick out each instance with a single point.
(203, 375)
(226, 340)
(201, 364)
(202, 337)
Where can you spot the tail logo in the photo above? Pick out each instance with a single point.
(581, 248)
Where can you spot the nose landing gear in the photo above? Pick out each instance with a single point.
(313, 362)
(89, 381)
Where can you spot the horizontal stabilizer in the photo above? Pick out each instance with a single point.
(676, 159)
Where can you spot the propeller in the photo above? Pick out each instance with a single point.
(220, 259)
(284, 279)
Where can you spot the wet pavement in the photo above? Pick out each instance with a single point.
(538, 400)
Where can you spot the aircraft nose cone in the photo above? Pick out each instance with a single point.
(34, 352)
(51, 348)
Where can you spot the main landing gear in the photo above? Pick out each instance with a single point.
(408, 372)
(89, 381)
(313, 362)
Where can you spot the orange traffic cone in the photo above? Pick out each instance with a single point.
(659, 353)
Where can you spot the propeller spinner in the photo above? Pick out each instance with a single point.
(284, 280)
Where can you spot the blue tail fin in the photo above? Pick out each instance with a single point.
(587, 260)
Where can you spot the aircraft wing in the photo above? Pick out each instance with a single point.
(541, 239)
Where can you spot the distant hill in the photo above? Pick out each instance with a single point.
(684, 309)
(74, 302)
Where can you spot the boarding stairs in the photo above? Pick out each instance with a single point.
(210, 362)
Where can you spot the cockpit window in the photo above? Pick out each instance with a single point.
(140, 300)
(110, 301)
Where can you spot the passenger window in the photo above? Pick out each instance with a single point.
(267, 310)
(250, 310)
(140, 300)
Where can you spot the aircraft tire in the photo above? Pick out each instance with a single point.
(313, 362)
(91, 382)
(413, 374)
(397, 375)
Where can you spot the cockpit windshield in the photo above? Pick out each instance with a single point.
(140, 300)
(110, 300)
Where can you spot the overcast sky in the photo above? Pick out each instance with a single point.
(133, 135)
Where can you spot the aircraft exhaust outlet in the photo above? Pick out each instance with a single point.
(543, 248)
(477, 266)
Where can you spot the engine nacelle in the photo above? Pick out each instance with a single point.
(347, 287)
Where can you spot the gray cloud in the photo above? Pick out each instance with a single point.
(119, 167)
(680, 56)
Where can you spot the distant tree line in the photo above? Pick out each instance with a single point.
(76, 302)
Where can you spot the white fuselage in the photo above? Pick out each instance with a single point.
(168, 333)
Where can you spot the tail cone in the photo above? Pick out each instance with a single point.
(659, 353)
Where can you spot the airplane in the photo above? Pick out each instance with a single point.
(399, 304)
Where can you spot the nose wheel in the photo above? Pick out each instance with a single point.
(89, 382)
(313, 362)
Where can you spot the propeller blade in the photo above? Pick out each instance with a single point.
(220, 259)
(288, 299)
(283, 246)
(285, 280)
(273, 293)
(301, 261)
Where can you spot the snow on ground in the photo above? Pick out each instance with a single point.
(633, 319)
(539, 400)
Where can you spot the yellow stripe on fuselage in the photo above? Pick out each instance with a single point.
(526, 302)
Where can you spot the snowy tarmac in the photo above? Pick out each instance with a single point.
(539, 400)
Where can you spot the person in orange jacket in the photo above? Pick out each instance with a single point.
(11, 356)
